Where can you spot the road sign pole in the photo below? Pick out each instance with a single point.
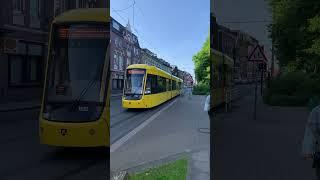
(255, 93)
(261, 71)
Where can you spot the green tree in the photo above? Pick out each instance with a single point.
(295, 32)
(202, 63)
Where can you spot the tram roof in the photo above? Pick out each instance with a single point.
(154, 68)
(227, 59)
(84, 14)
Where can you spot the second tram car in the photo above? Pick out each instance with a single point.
(148, 86)
(221, 77)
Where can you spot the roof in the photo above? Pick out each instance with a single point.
(218, 57)
(148, 67)
(122, 31)
(84, 14)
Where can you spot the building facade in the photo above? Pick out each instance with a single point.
(23, 43)
(124, 51)
(150, 58)
(24, 27)
(187, 79)
(244, 69)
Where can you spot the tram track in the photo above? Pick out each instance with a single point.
(50, 158)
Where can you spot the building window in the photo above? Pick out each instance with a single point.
(35, 8)
(120, 62)
(80, 3)
(116, 41)
(117, 84)
(34, 68)
(119, 43)
(85, 4)
(115, 61)
(114, 83)
(115, 25)
(120, 83)
(18, 6)
(16, 67)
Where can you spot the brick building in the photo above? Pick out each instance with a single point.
(125, 50)
(187, 78)
(150, 58)
(23, 43)
(24, 27)
(237, 45)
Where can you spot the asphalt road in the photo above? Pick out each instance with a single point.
(122, 121)
(22, 157)
(175, 130)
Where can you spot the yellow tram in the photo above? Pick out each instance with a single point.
(221, 78)
(75, 106)
(148, 86)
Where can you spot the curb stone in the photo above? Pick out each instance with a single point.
(20, 109)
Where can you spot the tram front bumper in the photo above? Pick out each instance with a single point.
(132, 104)
(73, 135)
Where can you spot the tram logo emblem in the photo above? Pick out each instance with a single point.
(63, 132)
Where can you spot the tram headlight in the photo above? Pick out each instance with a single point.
(46, 115)
(92, 131)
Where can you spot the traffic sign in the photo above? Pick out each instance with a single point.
(258, 55)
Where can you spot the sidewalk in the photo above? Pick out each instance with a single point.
(19, 106)
(21, 99)
(266, 148)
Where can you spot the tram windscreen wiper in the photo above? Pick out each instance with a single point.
(84, 91)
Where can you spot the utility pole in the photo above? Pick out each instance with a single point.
(261, 83)
(255, 92)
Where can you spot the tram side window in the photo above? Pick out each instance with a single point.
(164, 84)
(179, 85)
(151, 86)
(174, 85)
(161, 84)
(220, 76)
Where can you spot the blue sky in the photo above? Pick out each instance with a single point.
(173, 29)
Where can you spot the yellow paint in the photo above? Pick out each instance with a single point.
(90, 134)
(152, 100)
(218, 89)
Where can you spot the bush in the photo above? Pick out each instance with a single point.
(293, 89)
(286, 100)
(201, 89)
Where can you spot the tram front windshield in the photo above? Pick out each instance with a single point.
(134, 82)
(75, 70)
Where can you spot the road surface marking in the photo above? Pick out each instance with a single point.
(125, 138)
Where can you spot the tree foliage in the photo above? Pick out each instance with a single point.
(295, 33)
(202, 63)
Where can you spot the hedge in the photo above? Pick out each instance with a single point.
(294, 89)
